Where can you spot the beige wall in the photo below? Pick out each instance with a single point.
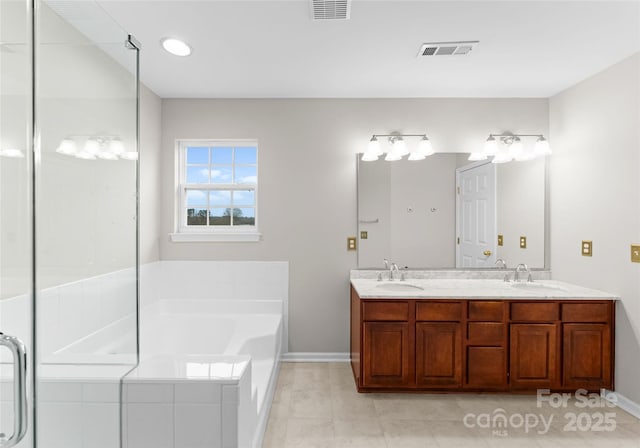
(408, 233)
(521, 211)
(595, 195)
(307, 183)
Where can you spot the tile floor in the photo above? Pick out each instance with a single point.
(316, 406)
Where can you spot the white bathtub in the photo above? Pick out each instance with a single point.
(209, 356)
(212, 362)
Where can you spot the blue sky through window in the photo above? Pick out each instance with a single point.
(214, 167)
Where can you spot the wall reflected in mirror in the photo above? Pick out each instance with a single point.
(412, 213)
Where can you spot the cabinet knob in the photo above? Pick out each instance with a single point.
(487, 253)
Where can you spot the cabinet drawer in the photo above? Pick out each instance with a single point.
(439, 311)
(586, 312)
(534, 312)
(486, 333)
(486, 311)
(386, 311)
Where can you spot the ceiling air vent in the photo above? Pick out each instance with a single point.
(447, 48)
(331, 9)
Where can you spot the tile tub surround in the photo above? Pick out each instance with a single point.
(316, 405)
(206, 378)
(476, 288)
(258, 281)
(106, 305)
(192, 401)
(211, 340)
(78, 405)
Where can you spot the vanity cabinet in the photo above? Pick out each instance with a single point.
(534, 345)
(481, 345)
(587, 341)
(486, 345)
(438, 337)
(386, 344)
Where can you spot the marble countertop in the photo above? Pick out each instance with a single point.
(474, 289)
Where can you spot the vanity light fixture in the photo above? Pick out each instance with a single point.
(175, 46)
(398, 149)
(506, 147)
(98, 147)
(67, 147)
(12, 153)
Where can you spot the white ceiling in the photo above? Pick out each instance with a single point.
(272, 49)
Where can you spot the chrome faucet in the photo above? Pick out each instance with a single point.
(522, 267)
(386, 268)
(501, 264)
(394, 267)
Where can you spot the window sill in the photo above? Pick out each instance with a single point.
(244, 237)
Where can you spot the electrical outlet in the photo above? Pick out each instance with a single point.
(364, 235)
(635, 253)
(500, 240)
(351, 243)
(587, 248)
(523, 242)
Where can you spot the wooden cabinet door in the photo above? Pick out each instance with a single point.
(533, 356)
(587, 356)
(438, 355)
(386, 354)
(486, 368)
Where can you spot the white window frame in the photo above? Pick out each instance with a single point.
(184, 233)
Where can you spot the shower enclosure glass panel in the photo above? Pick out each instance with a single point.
(85, 223)
(16, 315)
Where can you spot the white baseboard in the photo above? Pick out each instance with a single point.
(314, 357)
(624, 403)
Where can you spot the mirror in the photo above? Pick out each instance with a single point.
(435, 213)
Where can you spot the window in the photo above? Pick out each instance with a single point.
(217, 191)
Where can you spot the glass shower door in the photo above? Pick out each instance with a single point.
(16, 316)
(85, 223)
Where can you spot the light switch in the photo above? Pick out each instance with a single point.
(587, 248)
(635, 253)
(351, 243)
(364, 235)
(500, 240)
(523, 242)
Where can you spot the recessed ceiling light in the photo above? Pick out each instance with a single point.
(176, 46)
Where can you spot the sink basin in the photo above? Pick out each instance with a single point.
(399, 287)
(538, 287)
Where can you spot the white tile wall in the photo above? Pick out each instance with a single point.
(100, 425)
(78, 413)
(232, 280)
(149, 425)
(196, 414)
(60, 392)
(73, 413)
(198, 392)
(239, 280)
(70, 312)
(197, 425)
(149, 392)
(102, 392)
(60, 424)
